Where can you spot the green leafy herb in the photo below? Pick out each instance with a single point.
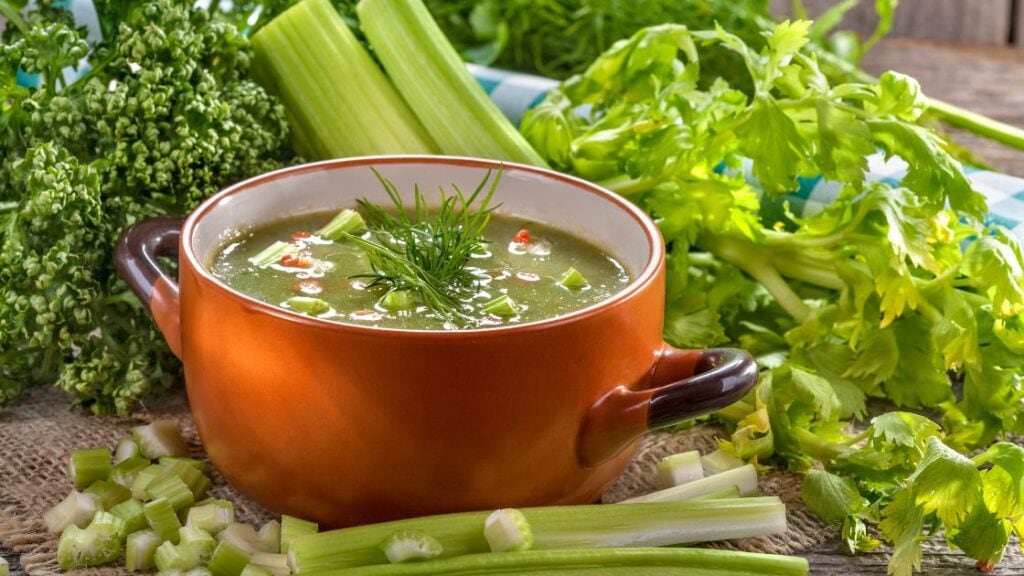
(424, 250)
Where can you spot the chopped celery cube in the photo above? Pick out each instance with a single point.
(162, 519)
(228, 560)
(307, 305)
(126, 450)
(720, 461)
(253, 570)
(679, 469)
(507, 530)
(501, 306)
(396, 300)
(97, 544)
(143, 478)
(276, 564)
(410, 546)
(270, 535)
(211, 517)
(199, 465)
(346, 222)
(132, 513)
(243, 536)
(125, 472)
(190, 474)
(572, 278)
(109, 493)
(273, 253)
(198, 571)
(160, 438)
(743, 478)
(139, 549)
(169, 556)
(88, 466)
(173, 489)
(200, 542)
(292, 528)
(76, 509)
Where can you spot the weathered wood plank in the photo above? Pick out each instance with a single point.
(957, 21)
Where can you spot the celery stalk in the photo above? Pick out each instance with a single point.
(97, 544)
(228, 560)
(307, 305)
(271, 254)
(139, 550)
(720, 461)
(132, 513)
(434, 80)
(124, 472)
(507, 530)
(679, 469)
(253, 570)
(160, 438)
(410, 546)
(76, 509)
(501, 306)
(212, 517)
(109, 493)
(88, 466)
(143, 478)
(173, 489)
(270, 536)
(292, 528)
(339, 101)
(197, 482)
(198, 542)
(572, 279)
(161, 518)
(730, 492)
(275, 564)
(596, 526)
(170, 556)
(744, 478)
(126, 450)
(603, 562)
(346, 222)
(175, 461)
(242, 536)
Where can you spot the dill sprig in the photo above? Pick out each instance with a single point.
(425, 250)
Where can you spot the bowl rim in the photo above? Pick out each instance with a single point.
(648, 274)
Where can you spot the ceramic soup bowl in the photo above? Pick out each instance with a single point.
(349, 424)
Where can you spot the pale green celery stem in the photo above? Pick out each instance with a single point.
(603, 562)
(343, 103)
(433, 79)
(725, 493)
(818, 448)
(623, 185)
(735, 412)
(743, 478)
(720, 461)
(657, 524)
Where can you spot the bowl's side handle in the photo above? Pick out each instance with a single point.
(684, 384)
(137, 259)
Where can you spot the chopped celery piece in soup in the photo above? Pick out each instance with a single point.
(519, 276)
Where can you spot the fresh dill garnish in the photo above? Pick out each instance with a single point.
(425, 250)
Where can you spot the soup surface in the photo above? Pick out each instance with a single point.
(524, 262)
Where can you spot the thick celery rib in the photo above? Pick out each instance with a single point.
(339, 101)
(599, 526)
(433, 79)
(617, 561)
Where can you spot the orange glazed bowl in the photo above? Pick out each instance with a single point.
(347, 424)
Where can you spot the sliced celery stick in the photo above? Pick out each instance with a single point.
(679, 469)
(169, 556)
(76, 509)
(126, 449)
(572, 278)
(125, 472)
(410, 546)
(398, 300)
(501, 306)
(143, 478)
(598, 562)
(253, 570)
(243, 536)
(339, 101)
(228, 560)
(744, 478)
(88, 466)
(197, 482)
(173, 489)
(161, 518)
(132, 513)
(507, 530)
(97, 544)
(200, 542)
(433, 79)
(160, 438)
(109, 493)
(594, 526)
(719, 461)
(276, 564)
(270, 536)
(292, 528)
(346, 222)
(730, 492)
(211, 517)
(273, 253)
(139, 550)
(307, 305)
(199, 465)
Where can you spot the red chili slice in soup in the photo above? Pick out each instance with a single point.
(295, 261)
(300, 235)
(523, 237)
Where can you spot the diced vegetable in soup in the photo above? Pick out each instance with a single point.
(525, 272)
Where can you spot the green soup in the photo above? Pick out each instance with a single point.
(524, 261)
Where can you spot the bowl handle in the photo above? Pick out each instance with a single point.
(136, 257)
(683, 384)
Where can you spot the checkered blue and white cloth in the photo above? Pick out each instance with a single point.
(516, 93)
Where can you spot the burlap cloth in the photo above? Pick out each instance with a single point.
(39, 431)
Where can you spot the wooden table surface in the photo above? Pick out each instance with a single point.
(988, 80)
